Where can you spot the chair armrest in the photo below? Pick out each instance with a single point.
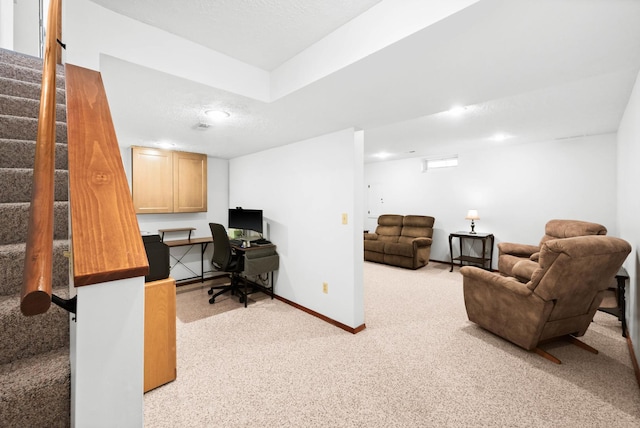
(523, 270)
(493, 281)
(371, 236)
(523, 250)
(422, 241)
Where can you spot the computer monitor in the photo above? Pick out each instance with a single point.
(240, 218)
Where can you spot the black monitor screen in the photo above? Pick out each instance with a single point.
(240, 218)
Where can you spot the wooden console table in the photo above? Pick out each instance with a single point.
(483, 260)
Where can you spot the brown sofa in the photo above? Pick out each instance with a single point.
(520, 260)
(403, 241)
(560, 299)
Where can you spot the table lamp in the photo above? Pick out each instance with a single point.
(472, 215)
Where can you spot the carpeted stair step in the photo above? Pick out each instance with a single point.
(36, 391)
(18, 182)
(26, 128)
(26, 107)
(24, 60)
(27, 74)
(17, 215)
(12, 263)
(29, 90)
(24, 337)
(21, 154)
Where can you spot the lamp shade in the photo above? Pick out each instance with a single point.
(472, 215)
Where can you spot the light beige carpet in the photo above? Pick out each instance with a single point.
(419, 363)
(192, 301)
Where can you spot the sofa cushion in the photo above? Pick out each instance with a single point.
(399, 249)
(374, 245)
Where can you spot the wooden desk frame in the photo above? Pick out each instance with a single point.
(482, 261)
(190, 242)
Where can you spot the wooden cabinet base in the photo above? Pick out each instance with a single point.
(159, 333)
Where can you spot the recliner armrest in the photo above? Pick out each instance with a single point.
(522, 250)
(494, 280)
(371, 236)
(422, 241)
(523, 270)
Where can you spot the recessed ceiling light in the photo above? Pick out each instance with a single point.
(217, 114)
(500, 137)
(456, 111)
(165, 144)
(382, 155)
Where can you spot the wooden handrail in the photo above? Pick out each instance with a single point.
(106, 240)
(38, 265)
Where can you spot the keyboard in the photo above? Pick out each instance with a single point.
(260, 241)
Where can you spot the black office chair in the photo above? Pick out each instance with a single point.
(224, 260)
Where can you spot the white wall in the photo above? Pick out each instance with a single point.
(26, 27)
(515, 188)
(629, 206)
(303, 190)
(6, 24)
(90, 30)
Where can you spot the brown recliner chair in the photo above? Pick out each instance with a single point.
(520, 260)
(403, 241)
(560, 300)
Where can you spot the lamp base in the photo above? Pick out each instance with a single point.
(473, 225)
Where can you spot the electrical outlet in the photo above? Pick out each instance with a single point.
(325, 288)
(344, 218)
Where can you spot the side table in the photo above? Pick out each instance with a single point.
(483, 260)
(621, 280)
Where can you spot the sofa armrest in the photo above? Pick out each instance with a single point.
(422, 241)
(371, 236)
(522, 250)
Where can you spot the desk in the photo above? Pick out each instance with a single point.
(483, 259)
(203, 242)
(258, 260)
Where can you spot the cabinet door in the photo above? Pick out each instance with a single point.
(189, 182)
(152, 180)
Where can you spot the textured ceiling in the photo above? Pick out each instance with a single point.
(535, 70)
(264, 33)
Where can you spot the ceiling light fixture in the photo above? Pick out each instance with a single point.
(217, 114)
(500, 137)
(382, 155)
(456, 111)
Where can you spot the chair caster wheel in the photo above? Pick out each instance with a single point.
(210, 291)
(212, 300)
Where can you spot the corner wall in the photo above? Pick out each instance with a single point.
(303, 189)
(515, 188)
(629, 206)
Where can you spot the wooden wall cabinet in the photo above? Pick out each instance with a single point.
(165, 181)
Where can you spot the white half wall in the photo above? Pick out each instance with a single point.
(107, 355)
(304, 189)
(629, 206)
(516, 189)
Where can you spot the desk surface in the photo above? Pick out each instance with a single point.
(192, 241)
